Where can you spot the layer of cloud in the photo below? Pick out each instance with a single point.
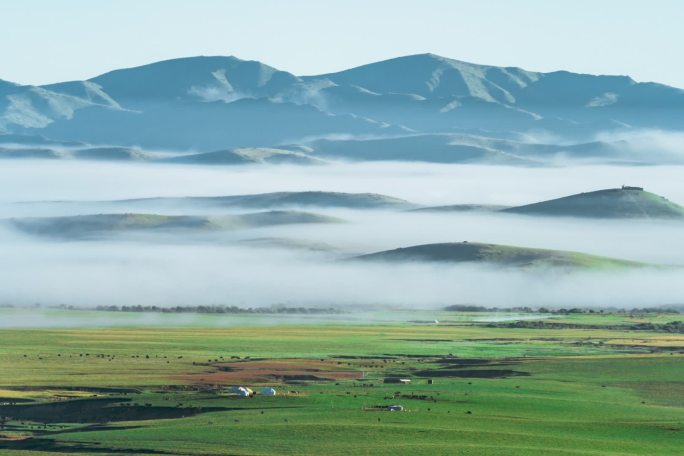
(184, 269)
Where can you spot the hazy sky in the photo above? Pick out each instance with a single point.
(45, 41)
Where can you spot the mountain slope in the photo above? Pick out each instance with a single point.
(493, 254)
(216, 103)
(246, 155)
(427, 90)
(436, 148)
(627, 202)
(428, 148)
(31, 108)
(433, 76)
(197, 78)
(209, 126)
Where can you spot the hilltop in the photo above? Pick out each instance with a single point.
(626, 202)
(494, 254)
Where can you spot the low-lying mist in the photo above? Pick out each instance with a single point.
(423, 183)
(130, 273)
(170, 268)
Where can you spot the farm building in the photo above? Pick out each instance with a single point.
(241, 391)
(268, 391)
(404, 381)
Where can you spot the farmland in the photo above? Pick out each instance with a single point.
(476, 389)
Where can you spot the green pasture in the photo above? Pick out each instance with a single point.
(572, 391)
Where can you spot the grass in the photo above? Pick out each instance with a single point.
(586, 392)
(501, 255)
(609, 203)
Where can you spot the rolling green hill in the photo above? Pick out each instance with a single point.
(280, 200)
(501, 255)
(462, 208)
(98, 224)
(626, 202)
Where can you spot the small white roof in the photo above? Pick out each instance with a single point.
(240, 390)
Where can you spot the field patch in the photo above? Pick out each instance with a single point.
(272, 370)
(97, 410)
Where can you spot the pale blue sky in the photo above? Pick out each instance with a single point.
(45, 41)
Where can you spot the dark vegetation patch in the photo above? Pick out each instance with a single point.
(52, 446)
(301, 378)
(493, 339)
(99, 410)
(424, 340)
(55, 429)
(88, 428)
(409, 356)
(199, 388)
(549, 339)
(14, 400)
(87, 389)
(673, 327)
(631, 348)
(216, 309)
(416, 397)
(364, 357)
(463, 361)
(470, 373)
(634, 311)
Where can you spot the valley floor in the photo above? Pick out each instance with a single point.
(591, 385)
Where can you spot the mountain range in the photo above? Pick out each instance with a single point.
(425, 104)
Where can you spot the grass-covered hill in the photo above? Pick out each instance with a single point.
(462, 208)
(291, 199)
(98, 224)
(626, 202)
(493, 254)
(247, 155)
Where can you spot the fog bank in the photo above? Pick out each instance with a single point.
(168, 268)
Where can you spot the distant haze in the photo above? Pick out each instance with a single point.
(44, 41)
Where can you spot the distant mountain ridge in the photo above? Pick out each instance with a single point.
(216, 103)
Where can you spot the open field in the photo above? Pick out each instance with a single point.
(494, 390)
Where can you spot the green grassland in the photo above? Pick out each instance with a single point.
(608, 203)
(495, 390)
(77, 226)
